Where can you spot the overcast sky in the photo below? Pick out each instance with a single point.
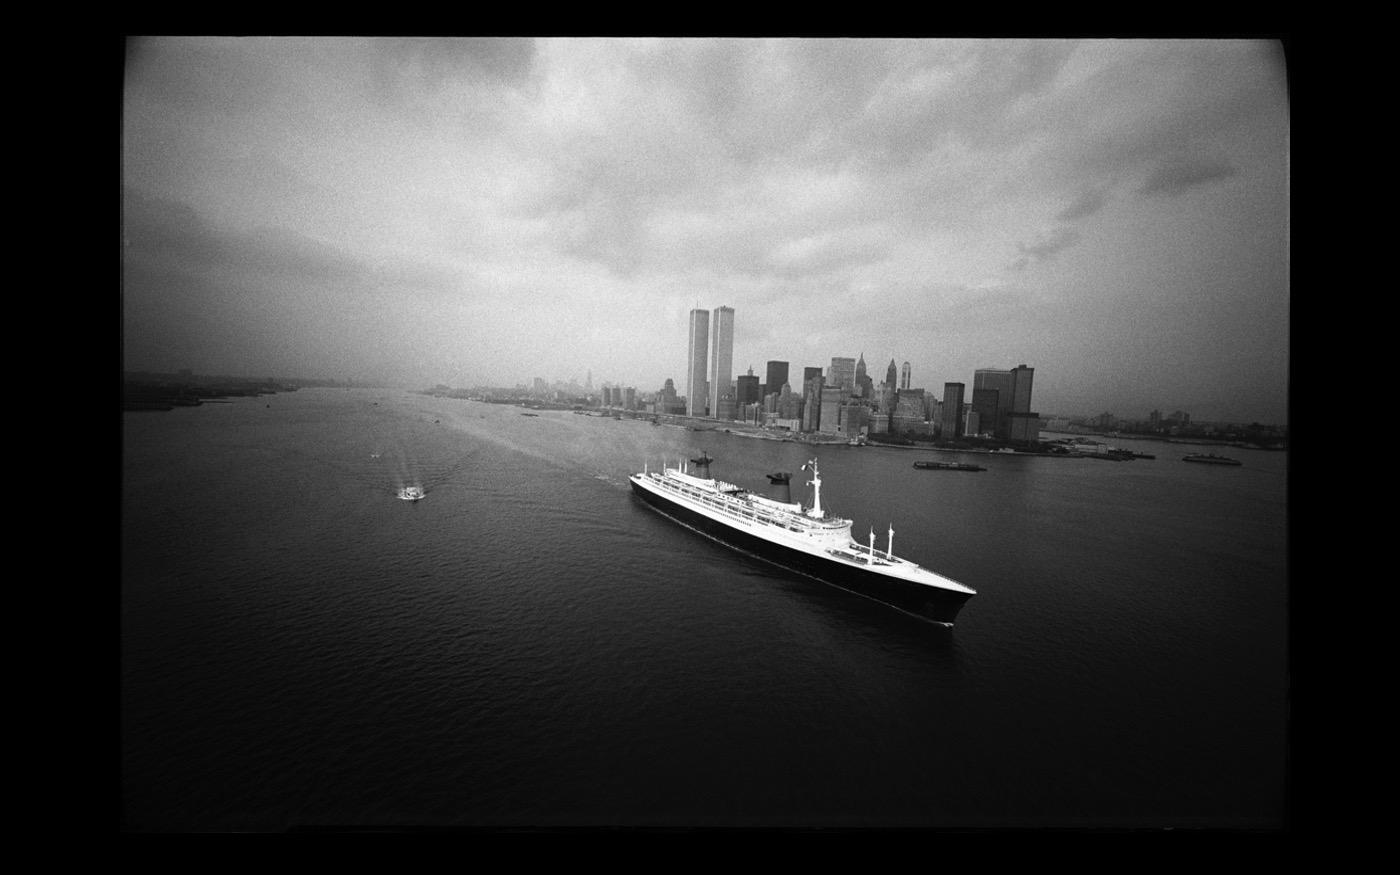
(1112, 213)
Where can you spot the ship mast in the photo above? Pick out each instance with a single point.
(816, 484)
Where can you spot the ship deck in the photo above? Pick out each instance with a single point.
(828, 537)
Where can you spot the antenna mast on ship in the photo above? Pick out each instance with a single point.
(816, 484)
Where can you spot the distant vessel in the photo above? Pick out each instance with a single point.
(1210, 459)
(948, 466)
(411, 493)
(803, 539)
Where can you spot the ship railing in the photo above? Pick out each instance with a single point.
(874, 554)
(731, 508)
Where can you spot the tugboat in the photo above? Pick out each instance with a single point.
(807, 540)
(948, 466)
(1210, 459)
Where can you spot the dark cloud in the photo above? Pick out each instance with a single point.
(210, 75)
(1045, 247)
(170, 240)
(1222, 98)
(1086, 205)
(409, 73)
(1177, 176)
(433, 61)
(803, 260)
(167, 233)
(967, 93)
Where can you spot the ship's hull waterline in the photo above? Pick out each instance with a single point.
(925, 602)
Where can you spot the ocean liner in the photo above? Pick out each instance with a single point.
(803, 539)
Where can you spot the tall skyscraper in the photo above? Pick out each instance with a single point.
(808, 374)
(992, 408)
(891, 376)
(812, 399)
(695, 363)
(721, 356)
(1022, 424)
(747, 392)
(904, 376)
(1021, 379)
(952, 410)
(777, 376)
(865, 388)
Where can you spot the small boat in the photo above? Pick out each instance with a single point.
(1210, 459)
(411, 493)
(948, 466)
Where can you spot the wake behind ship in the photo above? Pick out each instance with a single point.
(803, 539)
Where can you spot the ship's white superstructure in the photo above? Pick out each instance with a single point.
(821, 543)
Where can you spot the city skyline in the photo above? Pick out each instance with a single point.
(475, 212)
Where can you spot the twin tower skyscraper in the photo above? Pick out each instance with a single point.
(710, 368)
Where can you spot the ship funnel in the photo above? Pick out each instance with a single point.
(702, 466)
(780, 490)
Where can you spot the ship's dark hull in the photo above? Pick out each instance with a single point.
(926, 602)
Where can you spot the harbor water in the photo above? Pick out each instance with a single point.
(531, 646)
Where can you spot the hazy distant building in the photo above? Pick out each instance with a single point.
(854, 418)
(790, 404)
(952, 423)
(971, 420)
(908, 411)
(904, 377)
(667, 400)
(699, 345)
(831, 399)
(726, 409)
(629, 398)
(842, 374)
(891, 376)
(809, 373)
(885, 395)
(1022, 426)
(721, 356)
(812, 400)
